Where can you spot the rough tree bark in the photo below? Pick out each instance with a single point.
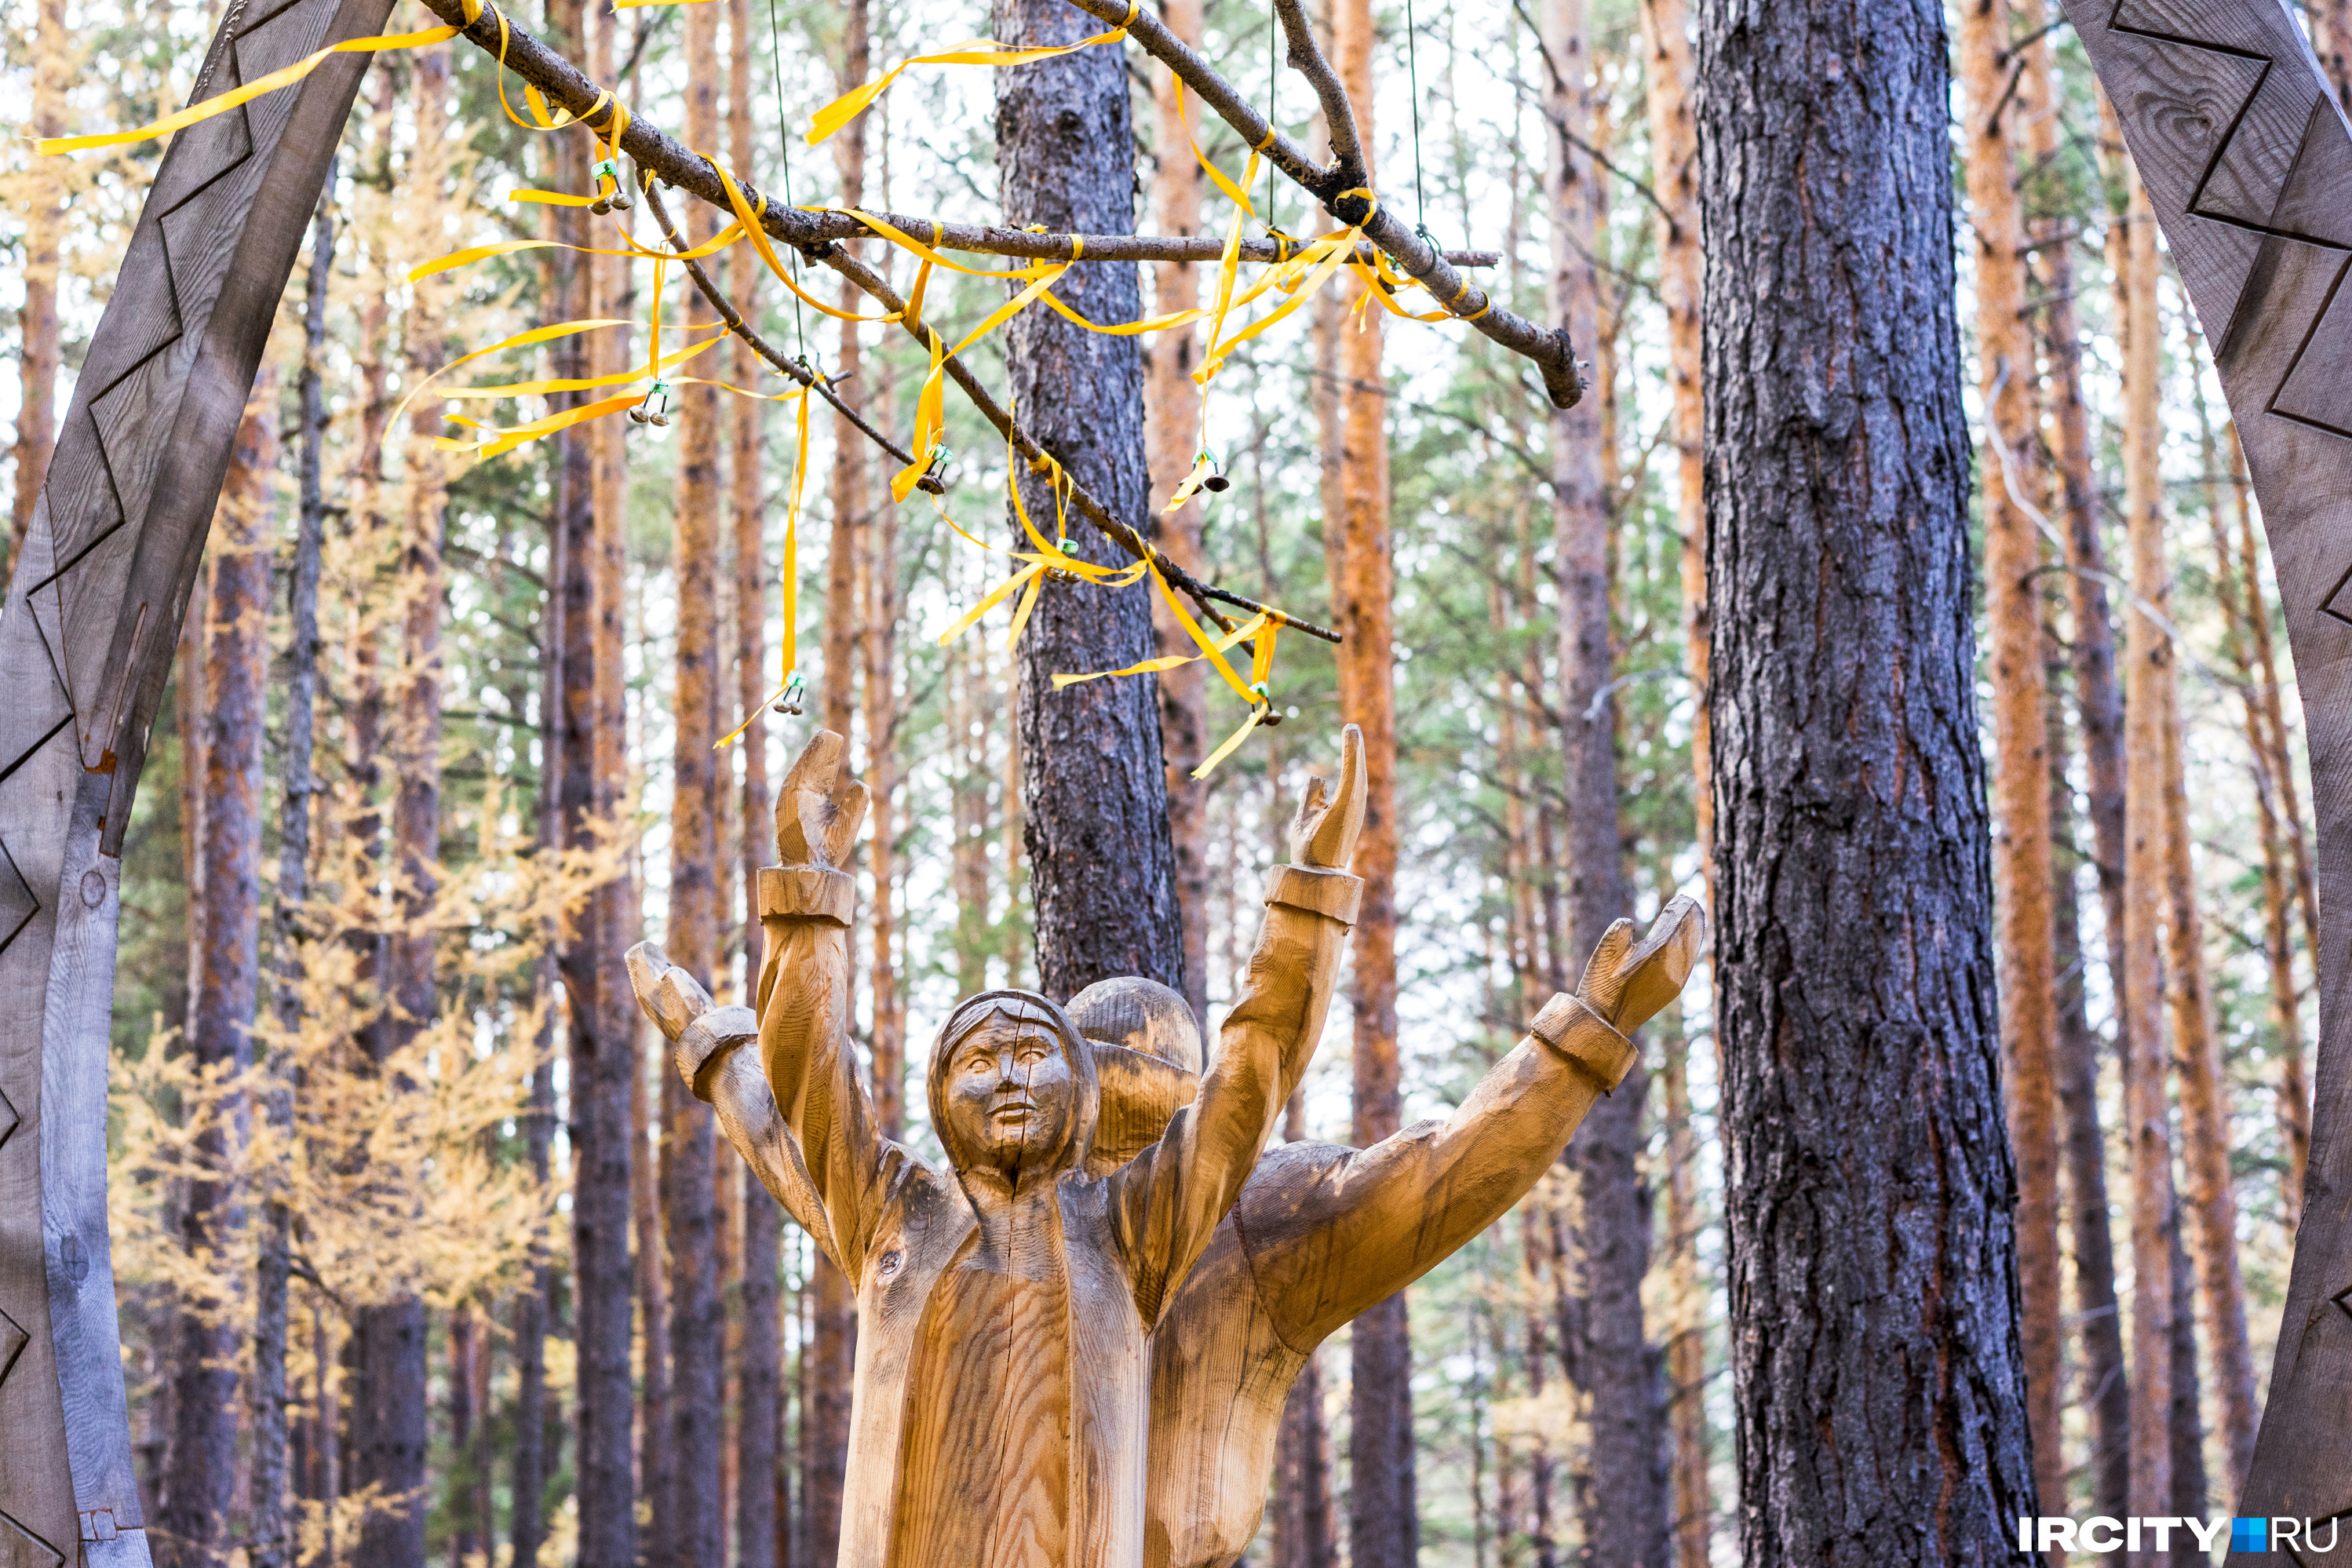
(1102, 872)
(1173, 441)
(202, 1466)
(1872, 1277)
(591, 770)
(2147, 653)
(695, 1535)
(1383, 1514)
(2006, 478)
(37, 425)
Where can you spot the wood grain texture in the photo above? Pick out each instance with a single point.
(85, 646)
(2248, 160)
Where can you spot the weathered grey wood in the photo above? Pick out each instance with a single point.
(85, 646)
(2248, 160)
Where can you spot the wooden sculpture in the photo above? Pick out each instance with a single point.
(2247, 158)
(1005, 1305)
(1046, 1374)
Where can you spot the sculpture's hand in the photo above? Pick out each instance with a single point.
(697, 1027)
(819, 807)
(1628, 985)
(1324, 836)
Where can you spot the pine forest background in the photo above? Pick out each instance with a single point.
(381, 1077)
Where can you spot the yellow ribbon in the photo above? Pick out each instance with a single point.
(221, 103)
(970, 52)
(792, 584)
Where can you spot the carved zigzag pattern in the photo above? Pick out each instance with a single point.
(2307, 201)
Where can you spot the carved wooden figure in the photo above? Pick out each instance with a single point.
(1046, 1374)
(1005, 1305)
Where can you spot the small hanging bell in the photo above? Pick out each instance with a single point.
(789, 701)
(1268, 717)
(1056, 574)
(606, 170)
(655, 409)
(1217, 484)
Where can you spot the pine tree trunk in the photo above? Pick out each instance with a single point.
(850, 459)
(759, 1390)
(466, 1349)
(2021, 855)
(1873, 1282)
(2286, 856)
(1673, 157)
(1383, 1515)
(202, 1466)
(2147, 665)
(2189, 1496)
(1621, 1493)
(695, 1535)
(881, 608)
(389, 1418)
(36, 424)
(2107, 1388)
(2099, 709)
(2205, 1117)
(1172, 440)
(591, 730)
(269, 1536)
(1303, 1532)
(1537, 1226)
(1095, 797)
(1693, 1500)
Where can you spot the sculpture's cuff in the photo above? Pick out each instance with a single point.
(1604, 1052)
(1335, 894)
(710, 1036)
(808, 892)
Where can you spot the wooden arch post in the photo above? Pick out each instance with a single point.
(2248, 160)
(86, 642)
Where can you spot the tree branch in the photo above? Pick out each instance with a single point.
(1547, 349)
(878, 290)
(792, 368)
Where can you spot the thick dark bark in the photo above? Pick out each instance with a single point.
(2104, 1380)
(1102, 872)
(202, 1466)
(1304, 1534)
(760, 1387)
(1873, 1279)
(388, 1431)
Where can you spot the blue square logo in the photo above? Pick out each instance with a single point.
(2250, 1535)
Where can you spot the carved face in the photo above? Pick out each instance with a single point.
(1010, 1095)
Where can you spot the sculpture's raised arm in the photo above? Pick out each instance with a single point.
(1170, 1199)
(1396, 1210)
(808, 1129)
(706, 1043)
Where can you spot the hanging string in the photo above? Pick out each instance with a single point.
(785, 137)
(1273, 83)
(1412, 76)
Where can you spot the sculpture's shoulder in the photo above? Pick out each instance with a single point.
(1293, 1190)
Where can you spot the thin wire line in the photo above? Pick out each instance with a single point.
(1412, 76)
(784, 140)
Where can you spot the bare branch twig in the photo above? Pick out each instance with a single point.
(795, 369)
